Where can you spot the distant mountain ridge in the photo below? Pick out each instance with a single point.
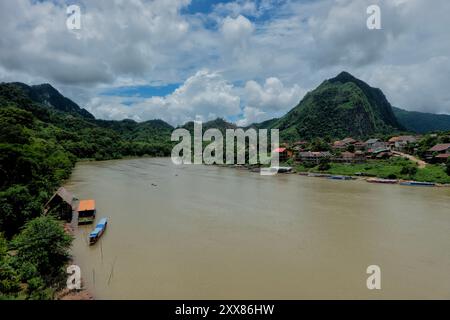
(339, 107)
(297, 123)
(78, 130)
(219, 123)
(422, 122)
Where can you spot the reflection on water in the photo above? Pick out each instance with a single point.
(206, 232)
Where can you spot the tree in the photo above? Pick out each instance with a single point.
(16, 207)
(447, 167)
(43, 243)
(320, 145)
(9, 279)
(408, 170)
(351, 148)
(324, 164)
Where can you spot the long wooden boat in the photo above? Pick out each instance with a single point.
(319, 175)
(340, 178)
(417, 184)
(98, 231)
(379, 180)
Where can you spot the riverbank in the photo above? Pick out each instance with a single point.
(396, 168)
(66, 293)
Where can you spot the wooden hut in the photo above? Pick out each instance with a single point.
(60, 203)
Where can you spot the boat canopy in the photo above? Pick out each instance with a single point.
(102, 222)
(95, 233)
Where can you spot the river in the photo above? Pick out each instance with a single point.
(208, 232)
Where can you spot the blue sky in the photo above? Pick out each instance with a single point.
(202, 6)
(143, 91)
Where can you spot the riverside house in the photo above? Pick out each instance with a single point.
(313, 157)
(373, 143)
(350, 157)
(439, 153)
(344, 143)
(399, 143)
(283, 153)
(60, 203)
(360, 145)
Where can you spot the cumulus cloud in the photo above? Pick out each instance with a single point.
(203, 96)
(236, 30)
(401, 82)
(273, 95)
(269, 100)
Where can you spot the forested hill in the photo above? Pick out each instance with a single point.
(339, 107)
(422, 122)
(77, 131)
(45, 95)
(219, 123)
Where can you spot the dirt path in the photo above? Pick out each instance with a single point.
(422, 164)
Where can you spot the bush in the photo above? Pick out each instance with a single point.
(38, 291)
(9, 280)
(324, 164)
(408, 170)
(44, 244)
(447, 167)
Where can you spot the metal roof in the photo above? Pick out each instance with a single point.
(86, 205)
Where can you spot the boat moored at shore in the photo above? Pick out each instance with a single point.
(98, 231)
(340, 178)
(417, 184)
(380, 180)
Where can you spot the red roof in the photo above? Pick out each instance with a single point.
(440, 147)
(279, 150)
(444, 155)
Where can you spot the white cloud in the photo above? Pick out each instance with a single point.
(268, 100)
(252, 115)
(203, 96)
(420, 87)
(237, 30)
(273, 95)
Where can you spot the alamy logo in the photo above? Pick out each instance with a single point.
(254, 153)
(74, 279)
(73, 22)
(374, 19)
(374, 280)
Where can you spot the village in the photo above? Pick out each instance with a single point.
(405, 150)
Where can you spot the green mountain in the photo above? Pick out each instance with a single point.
(218, 123)
(83, 135)
(339, 107)
(265, 124)
(422, 122)
(46, 95)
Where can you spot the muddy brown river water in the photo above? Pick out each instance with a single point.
(207, 232)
